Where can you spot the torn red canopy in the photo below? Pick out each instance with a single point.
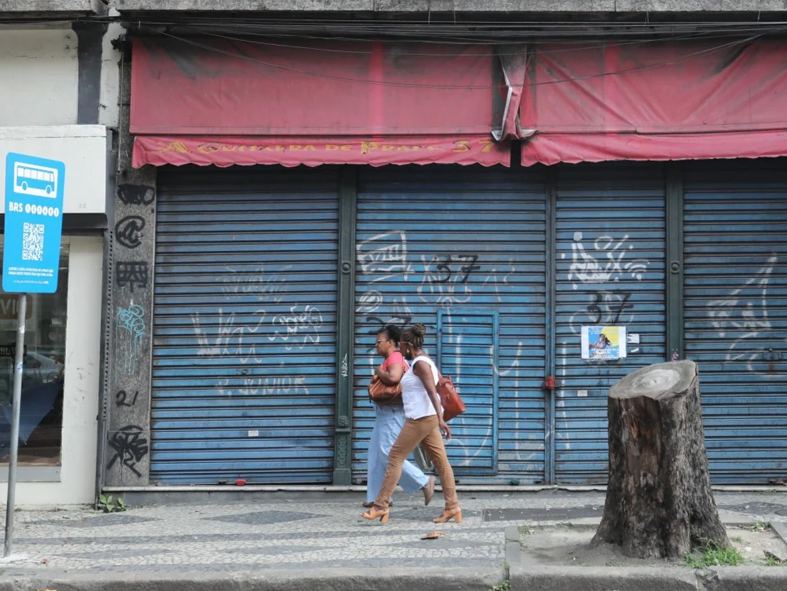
(655, 100)
(221, 102)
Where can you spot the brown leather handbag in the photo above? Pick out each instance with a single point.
(382, 393)
(449, 398)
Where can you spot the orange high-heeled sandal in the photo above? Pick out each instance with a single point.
(456, 515)
(373, 514)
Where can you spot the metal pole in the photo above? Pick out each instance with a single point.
(17, 400)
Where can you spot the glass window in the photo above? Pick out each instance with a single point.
(41, 417)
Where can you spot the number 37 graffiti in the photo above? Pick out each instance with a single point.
(606, 307)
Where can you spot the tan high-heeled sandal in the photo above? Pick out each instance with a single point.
(373, 514)
(367, 505)
(456, 515)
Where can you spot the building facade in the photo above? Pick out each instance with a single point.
(309, 191)
(289, 181)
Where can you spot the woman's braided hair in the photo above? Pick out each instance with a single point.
(415, 335)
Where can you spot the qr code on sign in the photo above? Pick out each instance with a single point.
(33, 242)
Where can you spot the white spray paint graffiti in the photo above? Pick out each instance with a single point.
(745, 310)
(384, 254)
(368, 302)
(267, 288)
(229, 337)
(598, 270)
(226, 334)
(298, 328)
(609, 266)
(440, 286)
(263, 386)
(494, 278)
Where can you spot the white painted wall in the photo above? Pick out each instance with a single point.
(83, 150)
(39, 77)
(82, 379)
(110, 78)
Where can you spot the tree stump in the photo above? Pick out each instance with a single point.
(659, 501)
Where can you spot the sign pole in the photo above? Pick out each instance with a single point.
(17, 403)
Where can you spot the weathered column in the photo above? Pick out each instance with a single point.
(130, 281)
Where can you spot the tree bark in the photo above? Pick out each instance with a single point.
(659, 501)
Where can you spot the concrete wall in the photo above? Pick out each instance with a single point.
(508, 6)
(82, 375)
(38, 77)
(54, 6)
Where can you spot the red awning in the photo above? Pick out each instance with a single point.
(220, 102)
(314, 151)
(655, 101)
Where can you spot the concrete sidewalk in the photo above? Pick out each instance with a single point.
(302, 543)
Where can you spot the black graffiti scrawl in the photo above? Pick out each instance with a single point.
(128, 231)
(132, 273)
(130, 447)
(136, 194)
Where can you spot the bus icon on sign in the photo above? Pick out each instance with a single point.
(31, 179)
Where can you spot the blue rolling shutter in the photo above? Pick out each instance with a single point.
(735, 291)
(609, 271)
(460, 241)
(245, 327)
(467, 345)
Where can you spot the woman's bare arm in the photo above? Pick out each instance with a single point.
(391, 376)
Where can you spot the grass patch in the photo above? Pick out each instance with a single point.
(504, 586)
(737, 539)
(713, 554)
(525, 530)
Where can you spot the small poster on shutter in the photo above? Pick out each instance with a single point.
(603, 343)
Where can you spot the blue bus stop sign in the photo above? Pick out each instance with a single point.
(33, 223)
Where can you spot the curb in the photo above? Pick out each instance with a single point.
(385, 579)
(573, 578)
(524, 576)
(513, 549)
(743, 578)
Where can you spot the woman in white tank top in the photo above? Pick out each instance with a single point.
(424, 423)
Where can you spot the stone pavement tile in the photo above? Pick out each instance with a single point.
(108, 520)
(755, 508)
(442, 544)
(278, 550)
(113, 554)
(329, 534)
(264, 517)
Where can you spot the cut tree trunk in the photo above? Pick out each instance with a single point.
(659, 501)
